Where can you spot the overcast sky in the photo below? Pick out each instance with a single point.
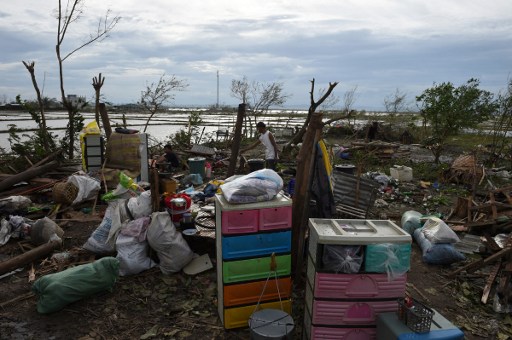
(376, 46)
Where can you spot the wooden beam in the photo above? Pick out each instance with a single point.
(31, 255)
(105, 120)
(27, 175)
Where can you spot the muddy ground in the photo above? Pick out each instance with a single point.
(155, 306)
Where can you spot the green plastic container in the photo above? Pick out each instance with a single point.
(254, 269)
(196, 166)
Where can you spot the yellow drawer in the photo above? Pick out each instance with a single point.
(239, 316)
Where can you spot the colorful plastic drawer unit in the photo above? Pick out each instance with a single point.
(249, 293)
(254, 269)
(238, 316)
(236, 247)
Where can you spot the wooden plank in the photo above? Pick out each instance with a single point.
(490, 281)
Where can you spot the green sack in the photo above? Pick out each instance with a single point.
(57, 290)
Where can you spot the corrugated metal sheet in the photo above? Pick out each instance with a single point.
(353, 195)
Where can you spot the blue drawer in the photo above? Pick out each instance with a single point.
(237, 247)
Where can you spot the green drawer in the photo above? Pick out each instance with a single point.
(254, 269)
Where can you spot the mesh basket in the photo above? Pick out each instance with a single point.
(64, 193)
(417, 316)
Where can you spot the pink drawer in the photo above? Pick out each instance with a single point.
(351, 286)
(339, 313)
(240, 221)
(329, 333)
(275, 218)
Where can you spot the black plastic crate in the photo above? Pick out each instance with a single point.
(415, 315)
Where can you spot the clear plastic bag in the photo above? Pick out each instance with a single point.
(436, 231)
(411, 220)
(342, 259)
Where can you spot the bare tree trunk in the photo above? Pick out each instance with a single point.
(305, 161)
(237, 138)
(42, 126)
(97, 83)
(312, 109)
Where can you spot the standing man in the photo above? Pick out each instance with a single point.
(267, 139)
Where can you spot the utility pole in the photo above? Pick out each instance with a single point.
(217, 89)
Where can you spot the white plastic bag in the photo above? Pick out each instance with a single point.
(132, 255)
(260, 185)
(140, 206)
(170, 246)
(436, 231)
(88, 187)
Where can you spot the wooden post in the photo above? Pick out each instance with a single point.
(237, 138)
(105, 120)
(155, 190)
(300, 205)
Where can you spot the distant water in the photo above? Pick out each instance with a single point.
(162, 125)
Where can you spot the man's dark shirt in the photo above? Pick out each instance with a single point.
(171, 158)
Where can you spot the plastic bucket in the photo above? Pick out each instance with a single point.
(256, 164)
(196, 166)
(346, 168)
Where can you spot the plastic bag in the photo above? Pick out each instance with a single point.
(437, 253)
(43, 229)
(57, 290)
(140, 206)
(436, 231)
(391, 258)
(136, 228)
(260, 185)
(132, 255)
(342, 259)
(411, 221)
(13, 204)
(102, 240)
(88, 187)
(92, 128)
(170, 246)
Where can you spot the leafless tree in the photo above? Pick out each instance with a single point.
(71, 13)
(97, 83)
(43, 130)
(258, 97)
(396, 102)
(156, 95)
(312, 109)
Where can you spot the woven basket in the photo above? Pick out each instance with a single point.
(64, 193)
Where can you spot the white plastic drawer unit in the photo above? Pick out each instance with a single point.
(354, 232)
